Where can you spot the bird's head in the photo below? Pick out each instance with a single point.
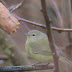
(34, 35)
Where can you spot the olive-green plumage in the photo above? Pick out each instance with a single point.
(37, 46)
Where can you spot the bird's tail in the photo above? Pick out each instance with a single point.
(66, 61)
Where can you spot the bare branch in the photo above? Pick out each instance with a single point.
(49, 34)
(43, 26)
(14, 7)
(27, 67)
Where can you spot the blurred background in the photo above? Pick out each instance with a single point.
(31, 10)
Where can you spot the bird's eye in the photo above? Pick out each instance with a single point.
(33, 35)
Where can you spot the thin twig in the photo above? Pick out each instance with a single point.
(28, 67)
(43, 26)
(61, 29)
(14, 7)
(49, 34)
(38, 24)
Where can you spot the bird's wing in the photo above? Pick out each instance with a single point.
(40, 47)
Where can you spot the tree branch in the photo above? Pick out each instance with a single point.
(44, 26)
(49, 34)
(27, 67)
(14, 7)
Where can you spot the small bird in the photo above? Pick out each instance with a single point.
(37, 47)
